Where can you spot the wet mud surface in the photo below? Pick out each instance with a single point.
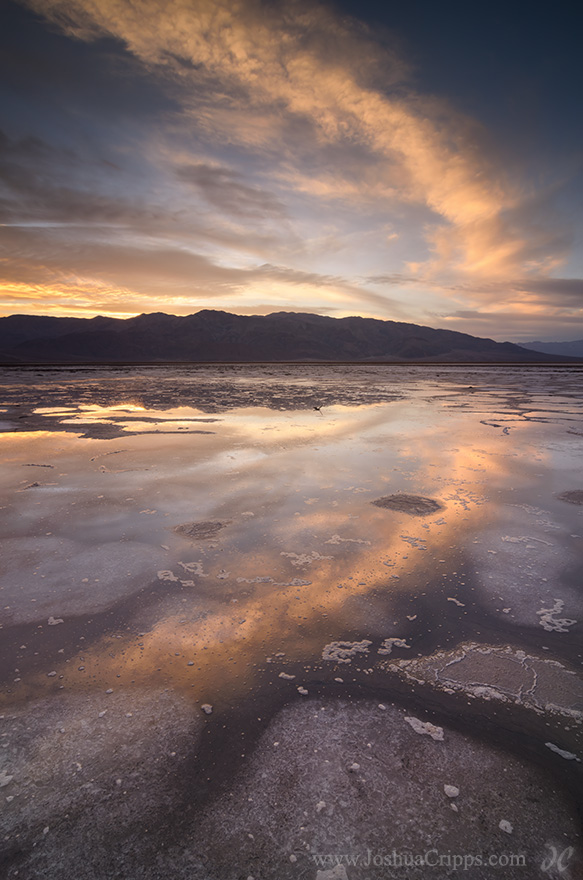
(416, 505)
(255, 620)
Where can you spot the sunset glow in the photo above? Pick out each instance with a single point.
(291, 156)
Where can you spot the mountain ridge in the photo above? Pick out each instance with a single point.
(216, 336)
(572, 348)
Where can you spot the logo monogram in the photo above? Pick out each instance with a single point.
(560, 861)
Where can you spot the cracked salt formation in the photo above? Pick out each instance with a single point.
(489, 672)
(520, 564)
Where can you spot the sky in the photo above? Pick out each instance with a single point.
(412, 161)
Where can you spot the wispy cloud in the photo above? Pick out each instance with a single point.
(266, 77)
(296, 162)
(225, 189)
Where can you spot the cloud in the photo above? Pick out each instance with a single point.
(519, 326)
(226, 190)
(257, 75)
(556, 292)
(48, 263)
(43, 184)
(51, 187)
(284, 158)
(526, 308)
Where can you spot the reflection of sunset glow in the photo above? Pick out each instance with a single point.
(300, 514)
(104, 411)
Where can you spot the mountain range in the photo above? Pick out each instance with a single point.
(217, 336)
(565, 349)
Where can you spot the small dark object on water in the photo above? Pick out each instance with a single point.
(573, 496)
(200, 531)
(416, 505)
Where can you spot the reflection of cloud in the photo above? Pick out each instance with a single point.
(225, 638)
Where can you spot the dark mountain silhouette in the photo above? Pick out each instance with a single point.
(215, 336)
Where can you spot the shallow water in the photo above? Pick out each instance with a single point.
(107, 586)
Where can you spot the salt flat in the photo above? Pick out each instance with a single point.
(176, 538)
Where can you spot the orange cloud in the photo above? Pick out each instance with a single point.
(255, 71)
(333, 148)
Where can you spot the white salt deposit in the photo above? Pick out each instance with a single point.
(388, 645)
(300, 560)
(550, 622)
(425, 727)
(343, 652)
(167, 576)
(193, 568)
(336, 539)
(568, 756)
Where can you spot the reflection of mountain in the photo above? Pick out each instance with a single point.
(565, 349)
(214, 336)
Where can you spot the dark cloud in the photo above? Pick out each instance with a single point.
(397, 279)
(41, 183)
(47, 186)
(566, 292)
(226, 190)
(517, 326)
